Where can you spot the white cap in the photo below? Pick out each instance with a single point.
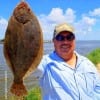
(63, 27)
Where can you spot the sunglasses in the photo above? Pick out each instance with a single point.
(69, 37)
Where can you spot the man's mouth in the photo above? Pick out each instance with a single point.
(65, 46)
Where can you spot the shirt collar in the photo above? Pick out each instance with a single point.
(57, 58)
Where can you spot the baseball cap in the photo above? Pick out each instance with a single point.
(63, 27)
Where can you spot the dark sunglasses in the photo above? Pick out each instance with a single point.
(68, 37)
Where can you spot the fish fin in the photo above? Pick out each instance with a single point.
(18, 89)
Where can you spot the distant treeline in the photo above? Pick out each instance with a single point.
(1, 41)
(46, 41)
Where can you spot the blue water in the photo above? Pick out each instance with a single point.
(82, 47)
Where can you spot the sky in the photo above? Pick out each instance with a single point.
(83, 15)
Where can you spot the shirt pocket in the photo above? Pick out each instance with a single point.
(89, 81)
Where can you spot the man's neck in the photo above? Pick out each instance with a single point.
(72, 61)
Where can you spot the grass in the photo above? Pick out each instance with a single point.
(94, 56)
(34, 94)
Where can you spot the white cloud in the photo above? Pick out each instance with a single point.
(85, 25)
(57, 15)
(95, 12)
(70, 15)
(3, 26)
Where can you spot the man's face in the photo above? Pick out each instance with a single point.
(64, 44)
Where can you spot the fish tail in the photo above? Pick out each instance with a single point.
(18, 89)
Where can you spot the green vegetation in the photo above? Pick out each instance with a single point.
(94, 56)
(34, 94)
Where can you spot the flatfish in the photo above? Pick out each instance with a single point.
(23, 45)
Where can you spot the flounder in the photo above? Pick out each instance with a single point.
(23, 45)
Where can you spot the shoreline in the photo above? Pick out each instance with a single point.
(49, 41)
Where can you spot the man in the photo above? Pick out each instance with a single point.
(66, 75)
